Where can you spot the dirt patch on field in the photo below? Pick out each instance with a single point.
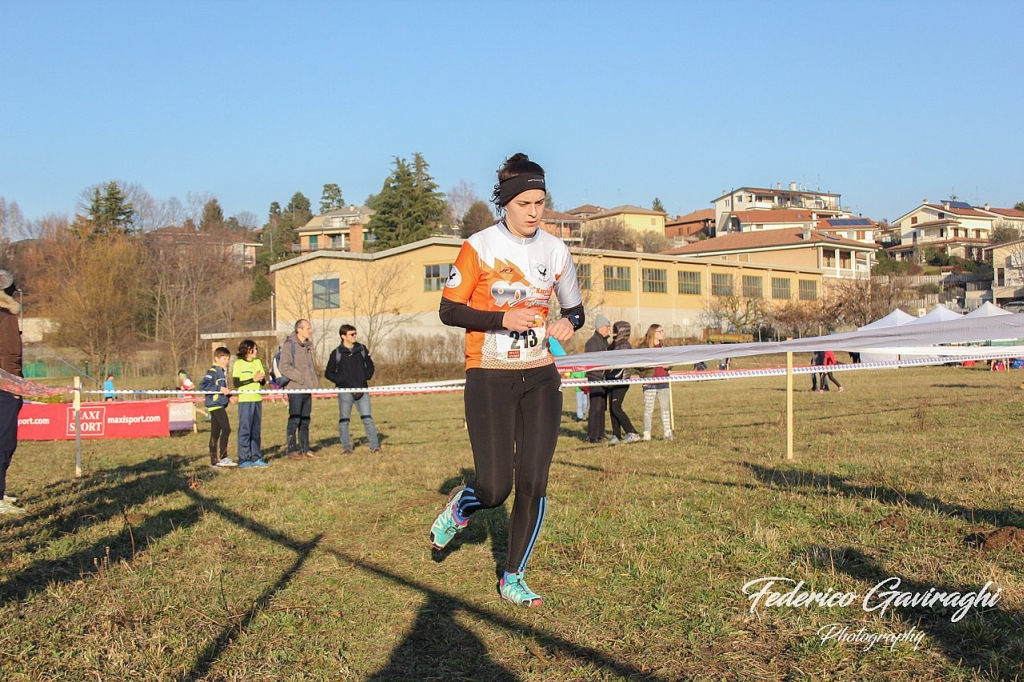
(1004, 537)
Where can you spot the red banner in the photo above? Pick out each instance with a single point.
(135, 419)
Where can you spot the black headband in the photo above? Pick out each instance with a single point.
(513, 187)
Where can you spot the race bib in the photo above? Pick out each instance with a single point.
(526, 346)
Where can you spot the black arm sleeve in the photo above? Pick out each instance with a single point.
(576, 316)
(461, 315)
(239, 383)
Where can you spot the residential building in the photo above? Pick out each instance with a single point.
(585, 211)
(1007, 270)
(565, 226)
(862, 230)
(688, 228)
(809, 249)
(820, 204)
(952, 227)
(231, 242)
(342, 229)
(397, 291)
(630, 217)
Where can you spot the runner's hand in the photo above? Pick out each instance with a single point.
(519, 319)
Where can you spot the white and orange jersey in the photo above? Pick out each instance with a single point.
(496, 271)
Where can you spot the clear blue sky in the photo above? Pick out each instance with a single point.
(884, 102)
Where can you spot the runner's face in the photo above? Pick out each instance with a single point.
(523, 213)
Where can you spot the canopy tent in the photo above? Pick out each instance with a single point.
(988, 310)
(896, 318)
(939, 313)
(893, 319)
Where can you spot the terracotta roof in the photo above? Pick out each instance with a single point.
(1008, 212)
(625, 208)
(696, 216)
(551, 214)
(585, 208)
(740, 241)
(958, 211)
(780, 215)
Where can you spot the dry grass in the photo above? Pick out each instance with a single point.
(153, 567)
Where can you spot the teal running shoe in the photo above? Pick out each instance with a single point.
(445, 527)
(512, 588)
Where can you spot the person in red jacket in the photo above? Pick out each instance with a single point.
(830, 360)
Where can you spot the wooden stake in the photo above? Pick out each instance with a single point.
(789, 405)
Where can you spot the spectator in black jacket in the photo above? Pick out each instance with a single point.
(351, 366)
(595, 416)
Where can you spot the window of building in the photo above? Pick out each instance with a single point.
(721, 284)
(689, 282)
(434, 276)
(861, 235)
(753, 286)
(313, 242)
(781, 288)
(338, 241)
(913, 221)
(655, 281)
(808, 290)
(942, 216)
(617, 278)
(326, 293)
(583, 275)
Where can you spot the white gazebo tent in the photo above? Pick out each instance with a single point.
(939, 313)
(986, 309)
(896, 318)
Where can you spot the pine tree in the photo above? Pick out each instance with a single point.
(331, 199)
(408, 206)
(213, 216)
(109, 212)
(656, 206)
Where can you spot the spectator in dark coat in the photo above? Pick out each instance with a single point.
(351, 366)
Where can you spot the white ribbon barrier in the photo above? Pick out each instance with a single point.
(949, 355)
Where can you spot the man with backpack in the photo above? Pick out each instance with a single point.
(351, 366)
(296, 363)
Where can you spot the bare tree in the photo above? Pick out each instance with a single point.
(796, 318)
(735, 313)
(184, 293)
(97, 294)
(612, 235)
(375, 295)
(458, 199)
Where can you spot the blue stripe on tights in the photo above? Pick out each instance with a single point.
(542, 508)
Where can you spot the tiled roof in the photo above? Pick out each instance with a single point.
(585, 208)
(625, 208)
(1008, 212)
(958, 211)
(739, 241)
(696, 216)
(781, 215)
(551, 214)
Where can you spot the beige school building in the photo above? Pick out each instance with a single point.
(397, 291)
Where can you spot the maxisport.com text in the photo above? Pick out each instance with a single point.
(135, 419)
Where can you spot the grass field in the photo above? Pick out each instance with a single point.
(154, 567)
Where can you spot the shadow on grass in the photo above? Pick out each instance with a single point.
(987, 640)
(437, 647)
(795, 479)
(428, 647)
(437, 642)
(100, 498)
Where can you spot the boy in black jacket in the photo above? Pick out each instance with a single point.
(216, 403)
(351, 366)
